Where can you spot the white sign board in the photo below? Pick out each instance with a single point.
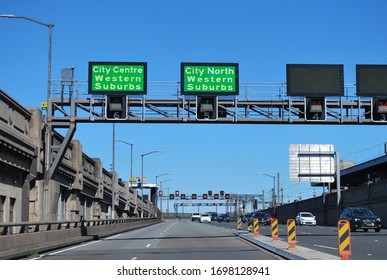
(312, 163)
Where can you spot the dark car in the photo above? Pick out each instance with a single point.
(223, 218)
(264, 218)
(246, 217)
(214, 216)
(361, 218)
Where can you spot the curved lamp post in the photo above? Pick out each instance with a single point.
(142, 177)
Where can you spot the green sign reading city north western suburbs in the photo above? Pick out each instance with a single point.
(209, 78)
(117, 77)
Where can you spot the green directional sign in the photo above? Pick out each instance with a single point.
(209, 78)
(117, 77)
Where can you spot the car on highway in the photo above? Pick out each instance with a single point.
(214, 216)
(205, 218)
(361, 218)
(223, 218)
(195, 217)
(246, 217)
(305, 218)
(263, 218)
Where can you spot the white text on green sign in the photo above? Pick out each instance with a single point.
(117, 78)
(217, 79)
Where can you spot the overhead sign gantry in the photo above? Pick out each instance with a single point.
(212, 93)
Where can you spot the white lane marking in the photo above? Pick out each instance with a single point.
(147, 245)
(326, 247)
(72, 248)
(113, 236)
(134, 258)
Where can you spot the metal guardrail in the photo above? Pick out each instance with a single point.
(29, 227)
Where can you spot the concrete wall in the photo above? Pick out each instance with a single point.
(326, 210)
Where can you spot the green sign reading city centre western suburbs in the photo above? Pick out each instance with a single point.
(209, 78)
(117, 77)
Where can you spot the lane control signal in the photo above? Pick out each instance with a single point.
(315, 109)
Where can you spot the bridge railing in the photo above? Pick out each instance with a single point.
(22, 239)
(29, 227)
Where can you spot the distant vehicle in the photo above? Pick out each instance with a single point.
(262, 217)
(361, 218)
(305, 218)
(246, 217)
(195, 217)
(214, 216)
(223, 218)
(205, 218)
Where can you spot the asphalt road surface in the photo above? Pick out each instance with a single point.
(170, 240)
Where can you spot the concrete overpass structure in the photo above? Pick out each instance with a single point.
(80, 189)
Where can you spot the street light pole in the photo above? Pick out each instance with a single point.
(142, 178)
(161, 189)
(131, 157)
(113, 172)
(157, 195)
(48, 126)
(274, 198)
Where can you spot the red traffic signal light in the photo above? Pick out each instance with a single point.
(227, 196)
(205, 196)
(216, 196)
(160, 193)
(177, 193)
(379, 110)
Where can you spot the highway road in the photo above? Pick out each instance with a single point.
(186, 240)
(170, 240)
(365, 245)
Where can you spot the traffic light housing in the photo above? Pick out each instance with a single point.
(205, 196)
(379, 109)
(315, 109)
(171, 196)
(194, 196)
(182, 196)
(207, 108)
(216, 196)
(227, 196)
(177, 193)
(116, 107)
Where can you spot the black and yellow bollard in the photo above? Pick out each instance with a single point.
(250, 225)
(239, 223)
(344, 237)
(256, 227)
(291, 228)
(274, 229)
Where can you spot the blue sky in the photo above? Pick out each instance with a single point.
(262, 36)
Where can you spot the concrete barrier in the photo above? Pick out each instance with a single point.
(23, 245)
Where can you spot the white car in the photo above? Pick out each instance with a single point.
(205, 218)
(195, 217)
(305, 218)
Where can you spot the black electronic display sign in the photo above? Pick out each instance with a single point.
(371, 80)
(315, 80)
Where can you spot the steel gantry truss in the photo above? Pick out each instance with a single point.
(257, 103)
